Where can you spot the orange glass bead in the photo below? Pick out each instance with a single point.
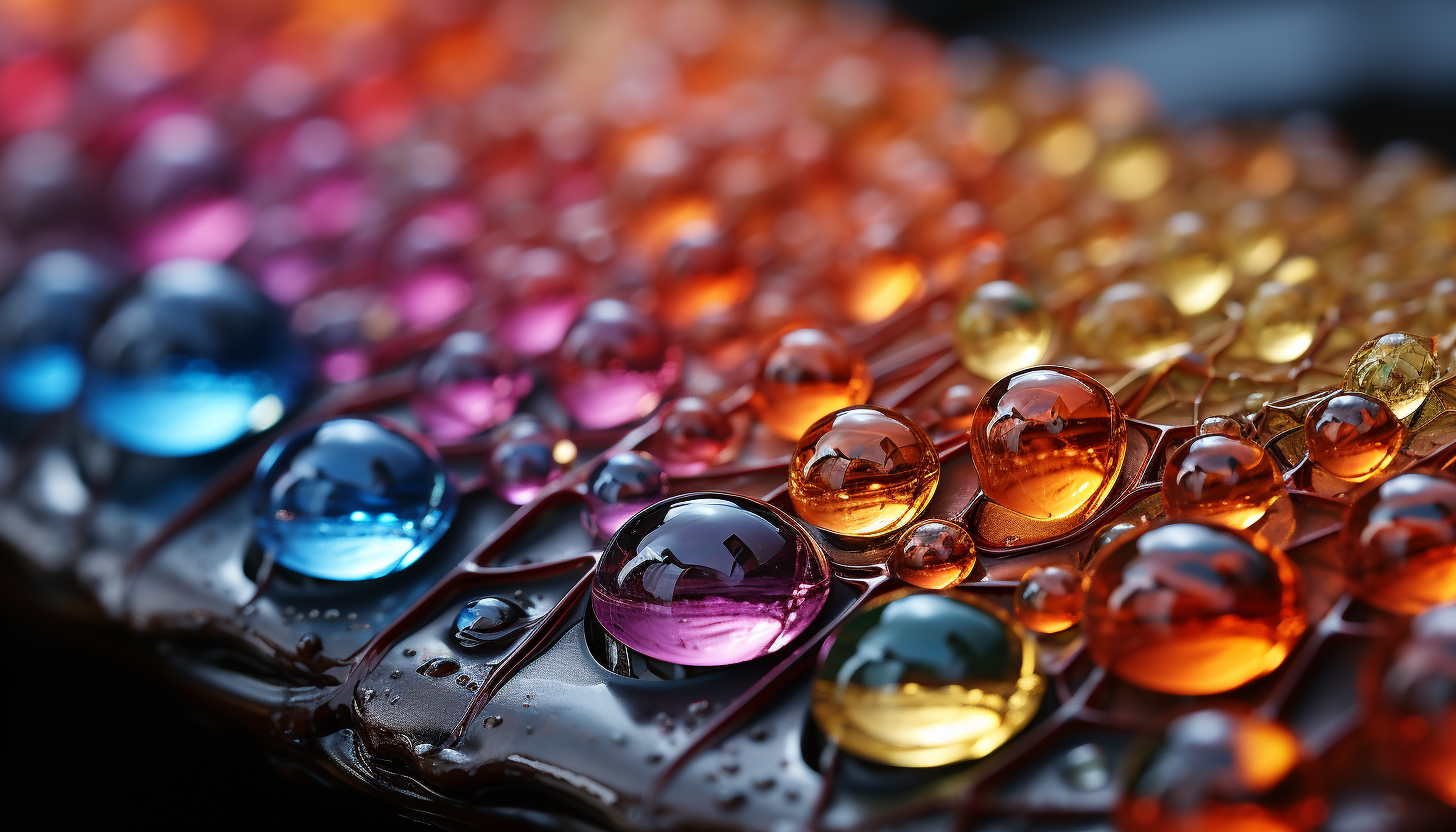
(1216, 771)
(701, 275)
(880, 284)
(1192, 608)
(1414, 698)
(1048, 442)
(934, 554)
(1049, 599)
(1352, 435)
(1400, 544)
(805, 374)
(863, 471)
(1221, 479)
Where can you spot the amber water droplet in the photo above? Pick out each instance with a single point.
(701, 274)
(1048, 442)
(924, 679)
(863, 471)
(1253, 240)
(1352, 435)
(934, 554)
(957, 406)
(695, 435)
(1134, 169)
(1049, 599)
(1280, 321)
(1221, 479)
(1191, 268)
(879, 284)
(1192, 608)
(1400, 544)
(806, 374)
(1218, 770)
(1131, 324)
(1001, 327)
(1398, 369)
(1414, 698)
(1221, 426)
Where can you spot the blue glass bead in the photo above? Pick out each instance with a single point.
(45, 318)
(350, 499)
(194, 359)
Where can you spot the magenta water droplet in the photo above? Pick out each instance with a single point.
(469, 383)
(614, 366)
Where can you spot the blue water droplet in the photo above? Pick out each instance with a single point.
(191, 361)
(489, 620)
(350, 499)
(45, 318)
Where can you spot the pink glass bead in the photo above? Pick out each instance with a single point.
(522, 459)
(614, 366)
(694, 436)
(467, 385)
(543, 301)
(709, 579)
(431, 296)
(209, 229)
(619, 487)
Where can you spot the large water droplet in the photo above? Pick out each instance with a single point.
(194, 359)
(45, 318)
(350, 499)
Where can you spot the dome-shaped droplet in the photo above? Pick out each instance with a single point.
(1001, 327)
(1397, 369)
(926, 680)
(695, 435)
(1221, 479)
(1400, 543)
(1220, 770)
(1191, 609)
(46, 315)
(1049, 599)
(1353, 436)
(1190, 265)
(350, 499)
(620, 486)
(489, 620)
(614, 365)
(709, 579)
(1048, 442)
(467, 384)
(806, 374)
(192, 360)
(934, 554)
(525, 455)
(1132, 325)
(863, 471)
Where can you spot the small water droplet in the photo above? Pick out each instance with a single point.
(654, 757)
(494, 721)
(368, 695)
(763, 784)
(730, 766)
(309, 645)
(699, 707)
(530, 730)
(395, 674)
(1085, 769)
(463, 679)
(473, 687)
(407, 652)
(331, 614)
(730, 800)
(438, 667)
(489, 620)
(758, 733)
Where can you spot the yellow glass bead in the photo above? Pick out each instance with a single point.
(1130, 324)
(863, 471)
(934, 554)
(925, 679)
(1397, 368)
(805, 374)
(1001, 327)
(1191, 268)
(1280, 321)
(1048, 442)
(1253, 241)
(1134, 169)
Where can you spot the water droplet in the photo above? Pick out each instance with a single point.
(48, 312)
(1085, 768)
(489, 620)
(160, 384)
(466, 385)
(439, 667)
(350, 499)
(614, 365)
(621, 486)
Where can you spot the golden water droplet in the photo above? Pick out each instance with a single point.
(1280, 321)
(879, 284)
(1253, 241)
(1001, 327)
(1397, 368)
(1221, 426)
(1134, 170)
(1130, 324)
(1191, 269)
(805, 374)
(1352, 435)
(1066, 147)
(934, 554)
(1221, 479)
(1049, 599)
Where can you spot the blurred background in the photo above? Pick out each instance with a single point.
(1383, 71)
